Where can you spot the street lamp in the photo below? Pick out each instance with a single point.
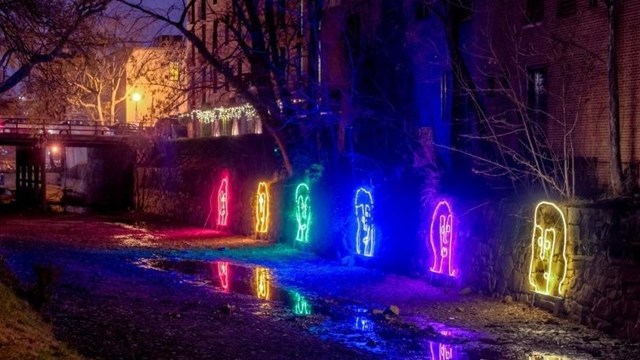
(136, 97)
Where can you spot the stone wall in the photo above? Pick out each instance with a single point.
(177, 178)
(603, 250)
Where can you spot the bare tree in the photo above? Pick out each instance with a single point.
(97, 81)
(615, 168)
(267, 37)
(34, 32)
(518, 137)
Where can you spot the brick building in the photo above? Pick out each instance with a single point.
(537, 69)
(219, 105)
(548, 59)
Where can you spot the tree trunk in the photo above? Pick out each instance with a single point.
(615, 166)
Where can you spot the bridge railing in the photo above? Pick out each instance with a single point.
(20, 126)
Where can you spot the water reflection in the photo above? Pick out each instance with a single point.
(541, 356)
(363, 324)
(441, 351)
(223, 275)
(349, 324)
(263, 282)
(301, 305)
(257, 282)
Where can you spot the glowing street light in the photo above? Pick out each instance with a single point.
(136, 97)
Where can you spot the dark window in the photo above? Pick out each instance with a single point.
(535, 11)
(203, 9)
(214, 79)
(422, 9)
(353, 33)
(192, 98)
(227, 26)
(301, 17)
(226, 81)
(593, 3)
(463, 9)
(492, 86)
(282, 9)
(193, 12)
(537, 93)
(567, 7)
(203, 88)
(300, 62)
(214, 36)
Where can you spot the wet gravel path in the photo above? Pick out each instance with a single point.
(127, 290)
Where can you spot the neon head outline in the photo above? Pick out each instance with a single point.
(441, 236)
(366, 233)
(303, 212)
(548, 263)
(262, 208)
(223, 201)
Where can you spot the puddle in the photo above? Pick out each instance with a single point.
(350, 325)
(543, 356)
(228, 277)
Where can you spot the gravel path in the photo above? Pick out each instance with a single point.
(110, 303)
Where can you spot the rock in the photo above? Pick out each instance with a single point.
(377, 312)
(465, 291)
(348, 261)
(459, 309)
(392, 310)
(507, 299)
(227, 309)
(371, 343)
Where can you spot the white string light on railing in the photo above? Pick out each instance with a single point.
(246, 111)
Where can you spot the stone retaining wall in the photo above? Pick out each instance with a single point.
(177, 178)
(603, 250)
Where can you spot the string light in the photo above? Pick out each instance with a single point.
(548, 265)
(263, 279)
(262, 208)
(223, 274)
(365, 236)
(303, 212)
(246, 112)
(441, 239)
(223, 201)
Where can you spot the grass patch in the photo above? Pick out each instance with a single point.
(23, 333)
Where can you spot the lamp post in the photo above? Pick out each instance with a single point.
(136, 97)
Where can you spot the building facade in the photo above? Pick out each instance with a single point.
(216, 98)
(155, 81)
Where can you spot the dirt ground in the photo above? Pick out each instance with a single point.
(132, 288)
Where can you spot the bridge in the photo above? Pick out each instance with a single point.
(31, 152)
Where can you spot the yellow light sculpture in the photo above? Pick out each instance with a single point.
(262, 208)
(548, 265)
